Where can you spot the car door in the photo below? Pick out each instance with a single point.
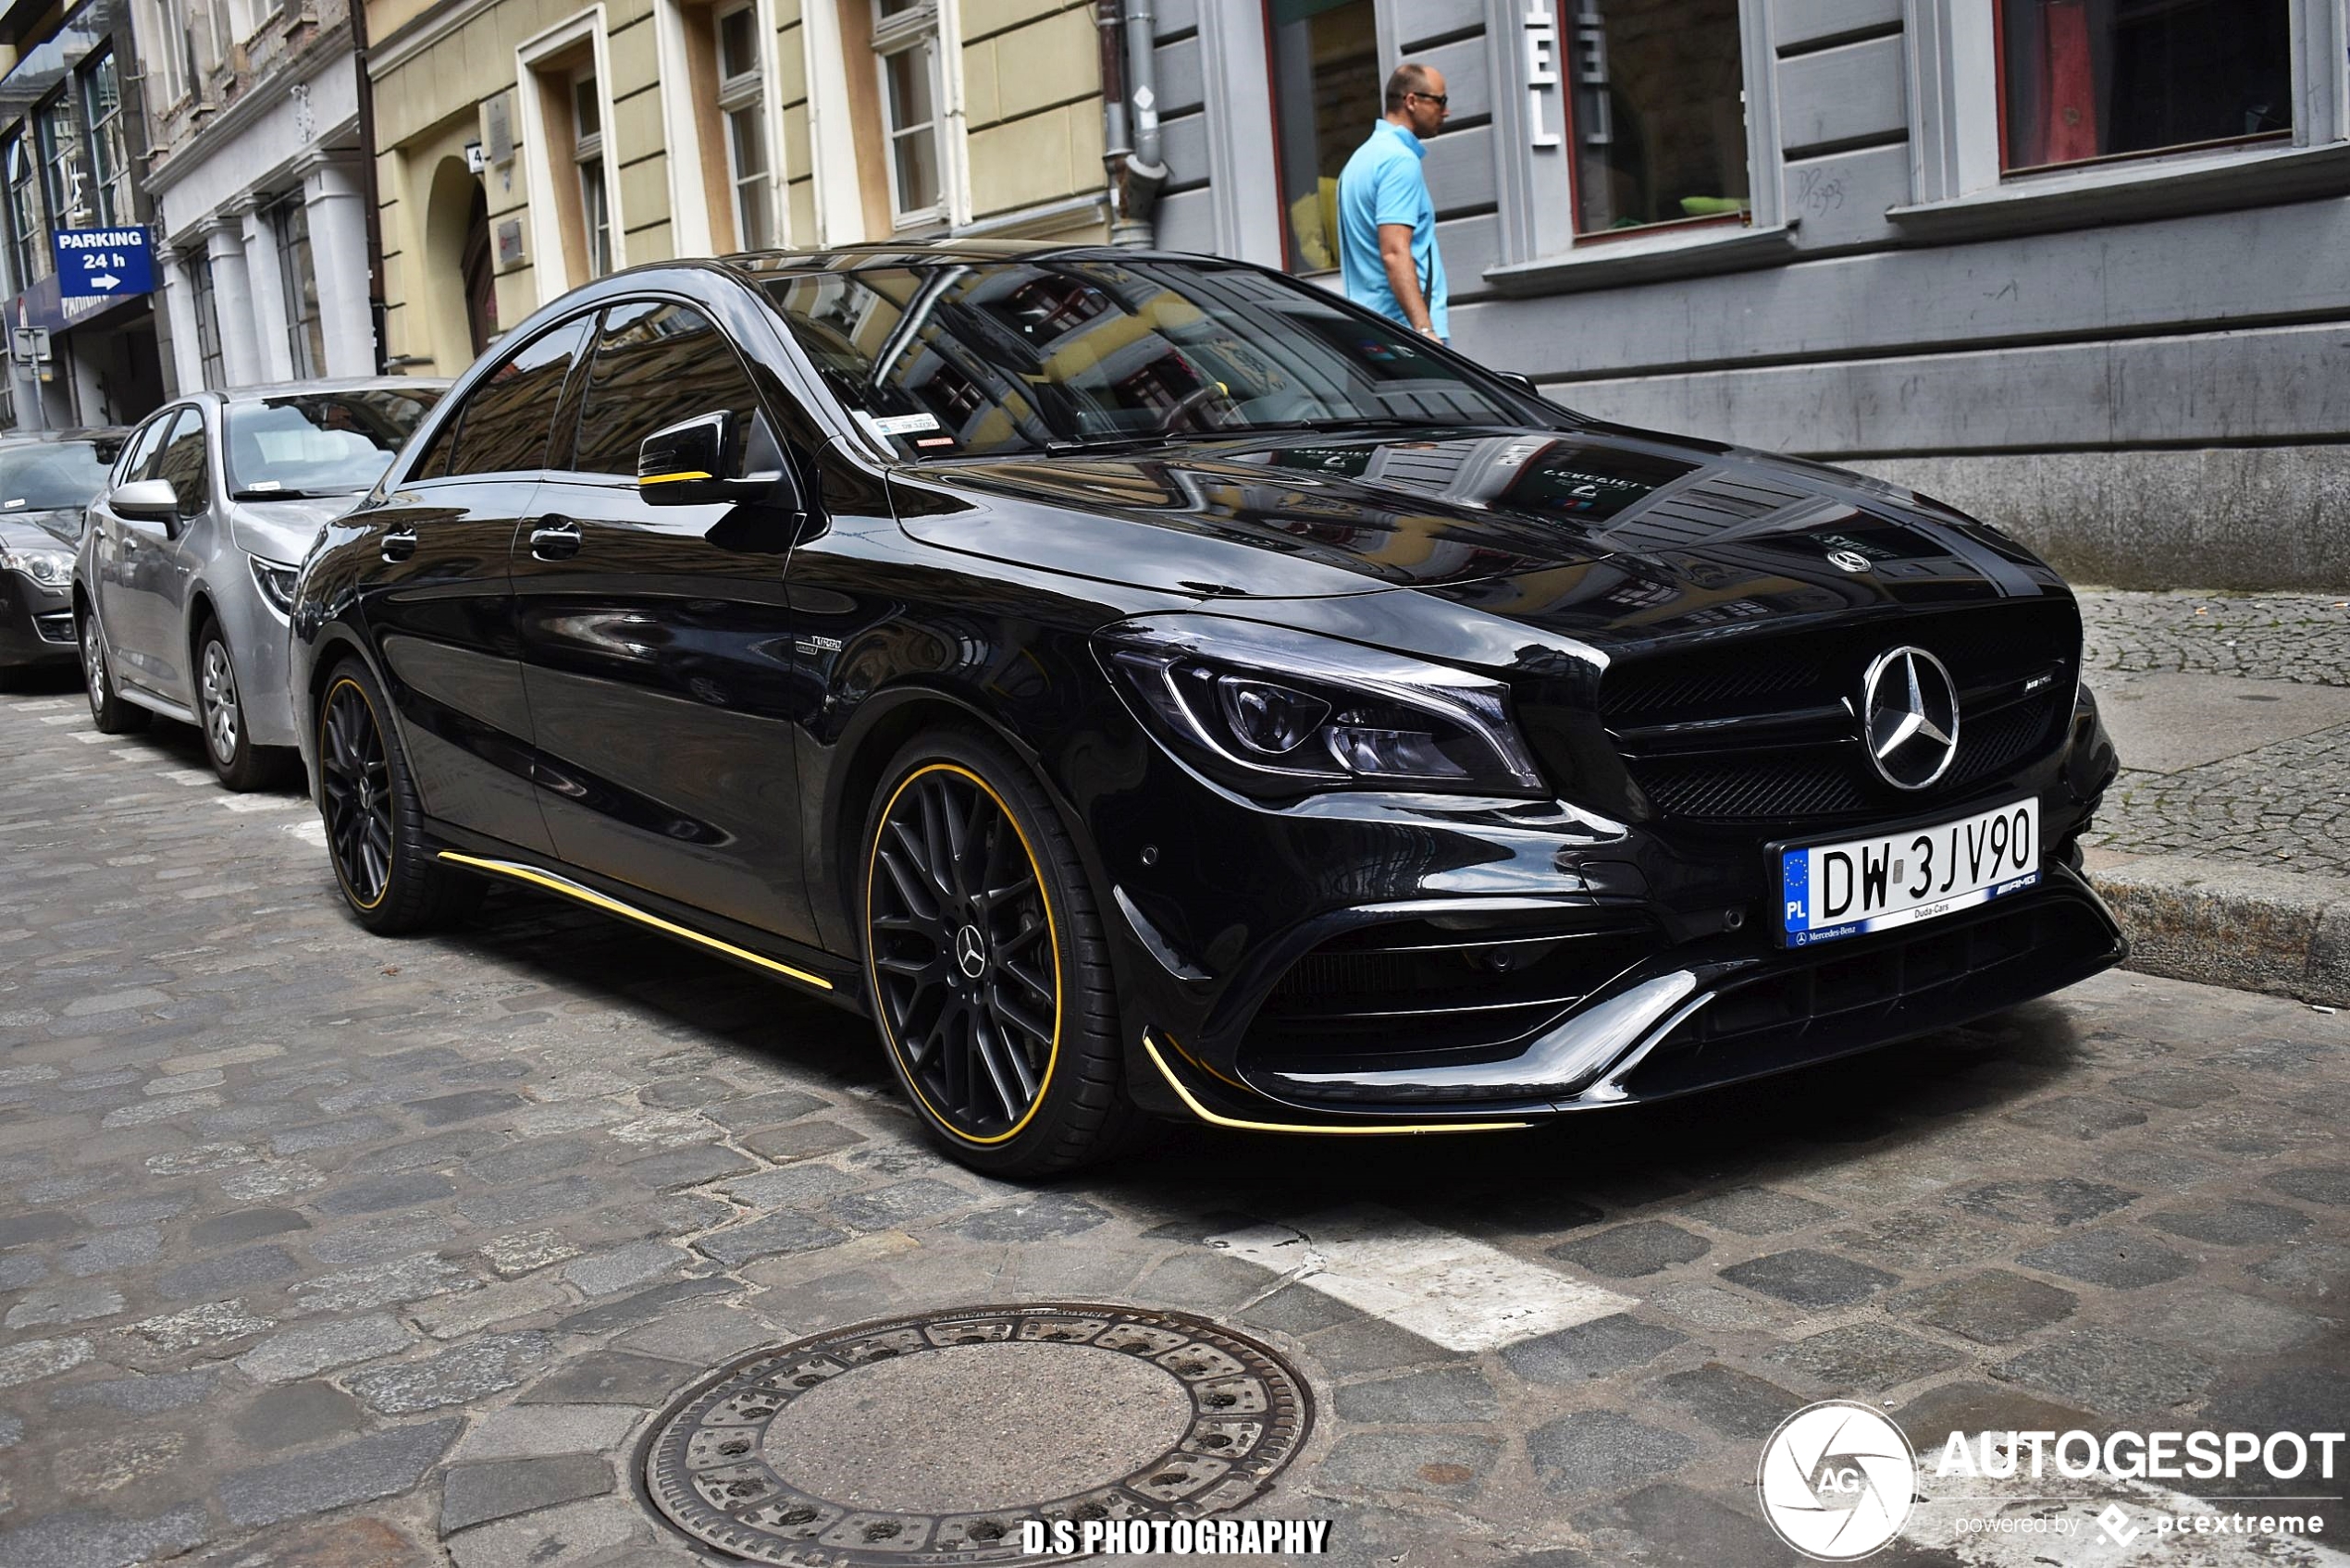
(146, 626)
(437, 602)
(111, 554)
(656, 643)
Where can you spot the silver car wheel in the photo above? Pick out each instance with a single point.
(221, 718)
(93, 663)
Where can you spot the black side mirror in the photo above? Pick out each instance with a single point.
(1521, 380)
(714, 459)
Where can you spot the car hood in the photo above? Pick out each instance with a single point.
(59, 526)
(283, 531)
(1581, 530)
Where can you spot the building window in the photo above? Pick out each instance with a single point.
(306, 337)
(110, 155)
(587, 155)
(906, 45)
(1658, 111)
(207, 322)
(1326, 88)
(30, 234)
(2099, 79)
(61, 163)
(742, 100)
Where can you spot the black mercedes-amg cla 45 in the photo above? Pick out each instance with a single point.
(1150, 684)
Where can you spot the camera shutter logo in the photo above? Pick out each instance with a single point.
(1910, 717)
(1836, 1481)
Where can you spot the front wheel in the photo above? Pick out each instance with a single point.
(986, 963)
(389, 876)
(228, 742)
(108, 711)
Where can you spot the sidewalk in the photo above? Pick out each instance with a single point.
(2225, 844)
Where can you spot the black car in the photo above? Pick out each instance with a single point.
(47, 480)
(1149, 683)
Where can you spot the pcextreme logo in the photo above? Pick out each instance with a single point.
(1836, 1480)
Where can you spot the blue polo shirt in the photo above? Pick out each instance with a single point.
(1382, 183)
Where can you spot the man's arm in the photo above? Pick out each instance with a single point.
(1403, 276)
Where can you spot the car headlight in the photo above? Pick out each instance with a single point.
(1273, 711)
(50, 568)
(275, 582)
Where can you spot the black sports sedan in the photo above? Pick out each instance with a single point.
(1147, 682)
(47, 480)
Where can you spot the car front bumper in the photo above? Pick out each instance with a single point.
(36, 622)
(1360, 961)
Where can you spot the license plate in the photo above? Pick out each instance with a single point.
(1863, 885)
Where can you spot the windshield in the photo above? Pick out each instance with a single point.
(319, 443)
(55, 475)
(957, 358)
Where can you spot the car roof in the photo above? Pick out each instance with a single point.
(79, 433)
(339, 384)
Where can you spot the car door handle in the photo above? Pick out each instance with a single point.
(555, 538)
(400, 544)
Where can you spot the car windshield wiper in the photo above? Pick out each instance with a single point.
(1234, 433)
(289, 495)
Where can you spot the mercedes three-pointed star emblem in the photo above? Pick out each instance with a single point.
(1910, 717)
(971, 952)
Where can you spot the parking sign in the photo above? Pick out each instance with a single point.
(103, 263)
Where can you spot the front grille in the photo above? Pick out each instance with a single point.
(1421, 991)
(55, 626)
(1763, 728)
(1884, 987)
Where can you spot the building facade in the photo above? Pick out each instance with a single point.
(2073, 265)
(71, 142)
(261, 188)
(524, 146)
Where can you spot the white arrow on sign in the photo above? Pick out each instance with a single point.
(104, 280)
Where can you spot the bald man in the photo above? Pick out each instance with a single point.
(1386, 218)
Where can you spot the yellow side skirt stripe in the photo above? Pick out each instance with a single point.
(1384, 1129)
(614, 907)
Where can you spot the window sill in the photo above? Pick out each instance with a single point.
(2127, 193)
(1684, 253)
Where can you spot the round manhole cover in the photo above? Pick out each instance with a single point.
(928, 1440)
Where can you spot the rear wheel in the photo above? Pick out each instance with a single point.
(986, 963)
(108, 711)
(375, 824)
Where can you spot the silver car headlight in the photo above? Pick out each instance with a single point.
(50, 568)
(1274, 711)
(275, 582)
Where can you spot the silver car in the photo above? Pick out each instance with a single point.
(182, 580)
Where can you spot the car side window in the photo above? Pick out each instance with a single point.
(656, 362)
(141, 452)
(183, 462)
(506, 422)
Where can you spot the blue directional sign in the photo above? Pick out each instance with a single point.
(103, 264)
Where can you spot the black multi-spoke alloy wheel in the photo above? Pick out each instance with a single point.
(108, 711)
(986, 963)
(375, 826)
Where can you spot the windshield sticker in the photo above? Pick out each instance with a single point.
(898, 424)
(935, 441)
(13, 502)
(266, 484)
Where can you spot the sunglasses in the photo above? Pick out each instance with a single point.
(1439, 98)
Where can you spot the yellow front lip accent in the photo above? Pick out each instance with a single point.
(614, 907)
(1385, 1130)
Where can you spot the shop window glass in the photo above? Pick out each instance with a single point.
(2101, 79)
(109, 156)
(1326, 89)
(1658, 112)
(30, 234)
(208, 354)
(305, 333)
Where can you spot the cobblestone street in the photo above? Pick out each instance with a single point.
(2283, 805)
(318, 1249)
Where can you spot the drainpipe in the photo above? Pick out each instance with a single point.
(1111, 43)
(379, 317)
(1135, 183)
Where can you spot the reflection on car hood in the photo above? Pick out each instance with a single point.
(59, 526)
(284, 530)
(1528, 524)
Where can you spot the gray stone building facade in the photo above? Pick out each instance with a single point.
(2076, 266)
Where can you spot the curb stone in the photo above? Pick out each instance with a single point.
(2283, 933)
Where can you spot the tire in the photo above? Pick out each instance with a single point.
(228, 740)
(108, 712)
(388, 874)
(957, 980)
